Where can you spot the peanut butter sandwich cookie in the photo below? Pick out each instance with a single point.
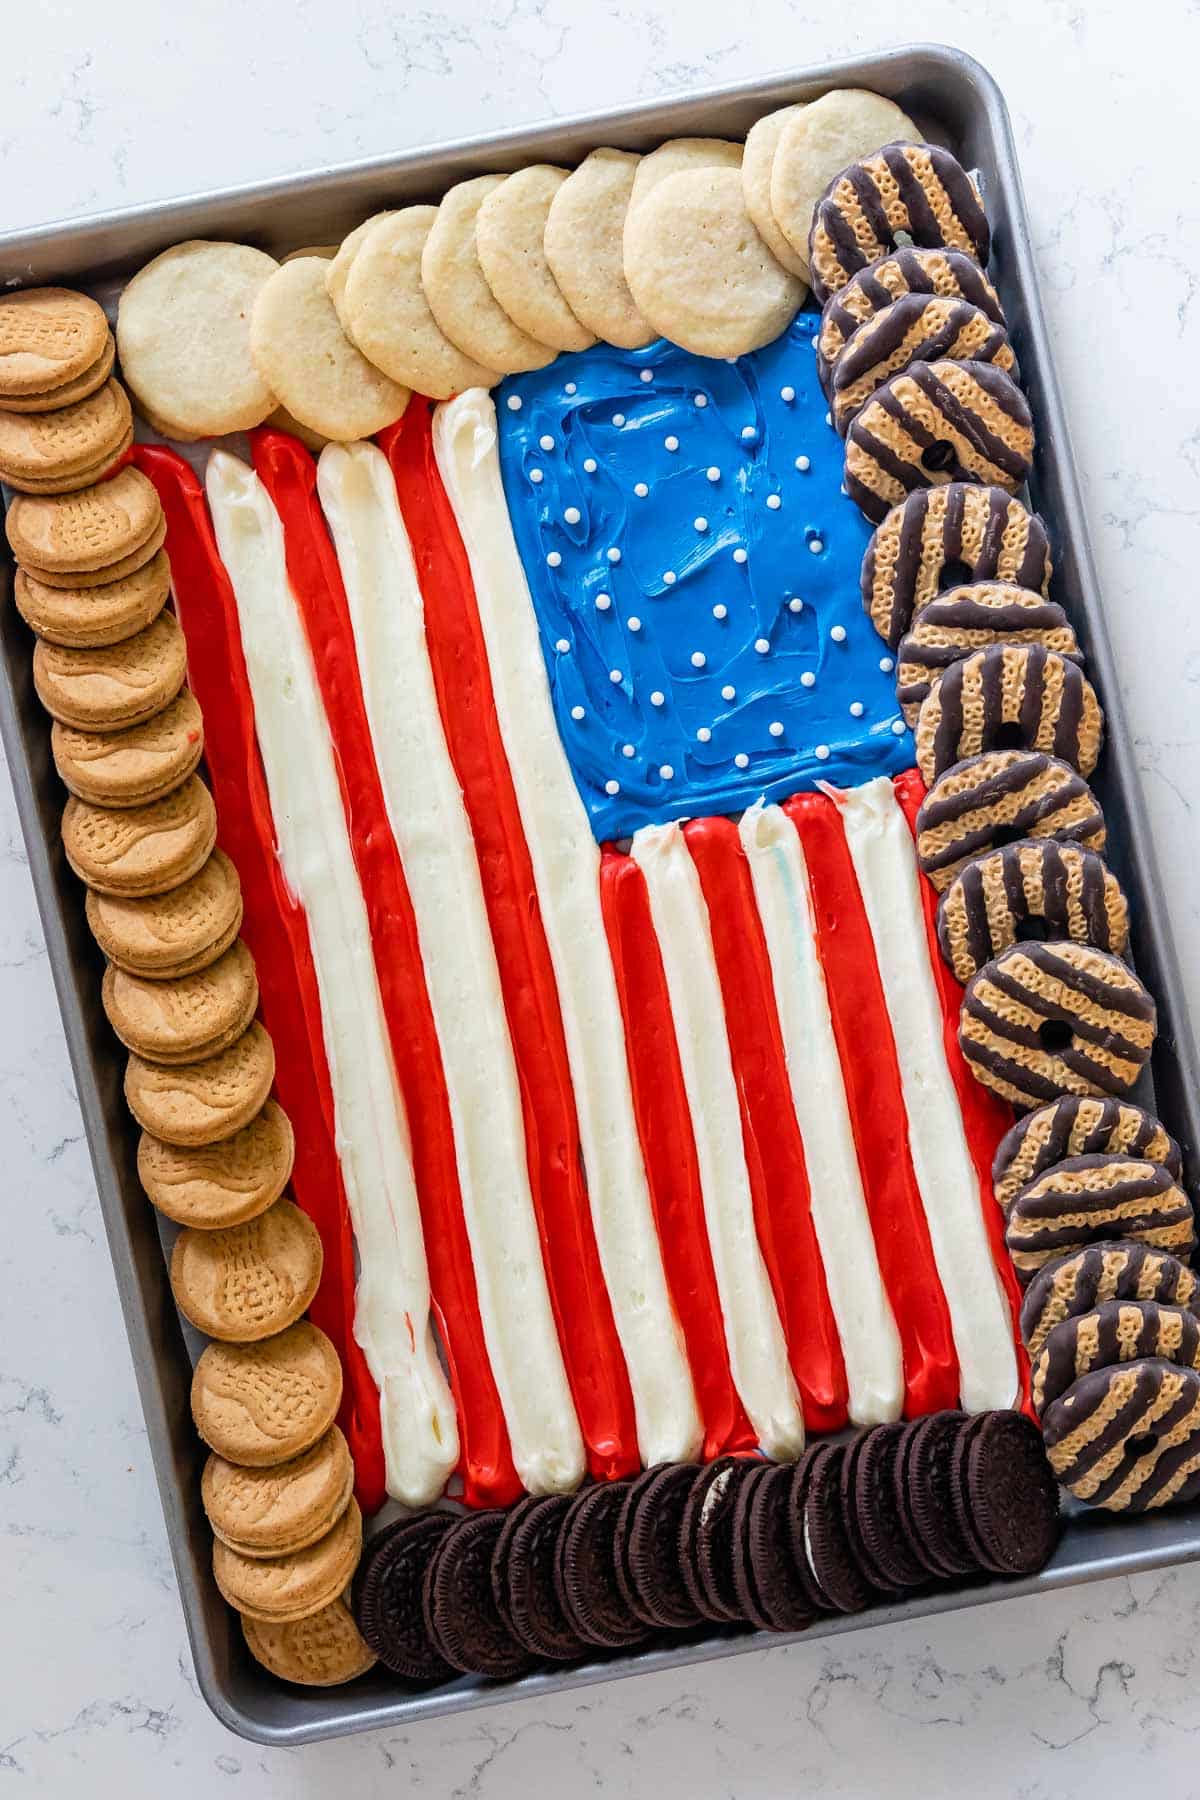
(818, 141)
(202, 1102)
(48, 337)
(1032, 889)
(966, 619)
(1071, 1285)
(70, 534)
(1058, 1018)
(1114, 1332)
(584, 241)
(1010, 697)
(110, 686)
(913, 193)
(277, 1511)
(77, 579)
(186, 1017)
(325, 1649)
(1079, 1125)
(134, 766)
(1092, 1199)
(170, 934)
(74, 445)
(262, 1404)
(906, 271)
(915, 328)
(987, 801)
(249, 1281)
(137, 850)
(283, 1589)
(214, 1186)
(82, 617)
(1128, 1438)
(52, 399)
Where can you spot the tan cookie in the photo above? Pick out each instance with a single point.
(584, 243)
(74, 579)
(175, 933)
(698, 270)
(202, 1102)
(817, 143)
(132, 767)
(50, 399)
(761, 143)
(326, 252)
(141, 849)
(509, 234)
(83, 617)
(283, 1589)
(282, 420)
(85, 532)
(324, 1650)
(82, 478)
(309, 362)
(678, 155)
(274, 1512)
(261, 1404)
(213, 1186)
(1009, 697)
(110, 686)
(186, 1017)
(48, 337)
(66, 440)
(245, 1282)
(386, 312)
(340, 264)
(183, 336)
(457, 291)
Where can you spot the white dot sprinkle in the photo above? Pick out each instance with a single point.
(546, 442)
(728, 693)
(613, 555)
(748, 434)
(618, 420)
(887, 664)
(741, 760)
(795, 604)
(634, 623)
(572, 515)
(720, 611)
(808, 679)
(714, 474)
(514, 403)
(562, 646)
(857, 709)
(704, 734)
(700, 523)
(762, 645)
(589, 465)
(698, 659)
(615, 676)
(774, 502)
(612, 787)
(666, 771)
(787, 394)
(640, 489)
(671, 442)
(627, 750)
(554, 559)
(844, 490)
(647, 374)
(775, 728)
(657, 698)
(577, 713)
(838, 633)
(570, 388)
(821, 752)
(816, 546)
(603, 602)
(804, 464)
(535, 475)
(829, 418)
(668, 578)
(899, 727)
(701, 399)
(739, 555)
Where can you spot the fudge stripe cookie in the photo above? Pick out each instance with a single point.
(1047, 1019)
(1087, 1199)
(1011, 696)
(1114, 1332)
(1071, 1285)
(915, 328)
(1079, 1126)
(956, 624)
(906, 271)
(936, 423)
(918, 191)
(1128, 1438)
(1033, 889)
(946, 537)
(994, 799)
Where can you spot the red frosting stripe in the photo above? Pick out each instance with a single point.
(274, 927)
(771, 1140)
(289, 474)
(867, 1051)
(591, 1349)
(985, 1117)
(664, 1125)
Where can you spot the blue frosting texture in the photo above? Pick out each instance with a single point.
(694, 566)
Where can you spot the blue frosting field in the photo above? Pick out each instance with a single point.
(694, 565)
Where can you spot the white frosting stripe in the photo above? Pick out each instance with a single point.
(566, 861)
(392, 1312)
(881, 848)
(431, 829)
(866, 1326)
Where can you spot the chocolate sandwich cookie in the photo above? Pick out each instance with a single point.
(988, 801)
(873, 1518)
(906, 271)
(923, 1482)
(83, 617)
(1116, 1331)
(936, 423)
(942, 538)
(706, 1536)
(1093, 1199)
(137, 850)
(1029, 890)
(911, 193)
(523, 1578)
(773, 1592)
(134, 766)
(585, 1570)
(1128, 1438)
(1010, 697)
(1120, 1270)
(388, 1596)
(1010, 1500)
(916, 328)
(464, 1623)
(1041, 1020)
(1079, 1125)
(648, 1569)
(821, 1542)
(956, 624)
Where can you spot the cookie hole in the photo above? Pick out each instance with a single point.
(1054, 1035)
(1008, 736)
(955, 573)
(1140, 1445)
(1033, 930)
(938, 456)
(1005, 834)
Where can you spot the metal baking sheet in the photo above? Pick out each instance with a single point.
(957, 102)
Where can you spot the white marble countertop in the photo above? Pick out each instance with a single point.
(1088, 1693)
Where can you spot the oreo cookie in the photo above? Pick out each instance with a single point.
(387, 1597)
(772, 1589)
(1011, 1494)
(924, 1478)
(648, 1568)
(875, 1520)
(523, 1578)
(465, 1624)
(585, 1570)
(706, 1537)
(822, 1538)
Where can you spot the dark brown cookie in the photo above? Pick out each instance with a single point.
(917, 328)
(1010, 697)
(956, 624)
(991, 800)
(1011, 1494)
(1079, 1125)
(1070, 1285)
(924, 1481)
(706, 1537)
(910, 193)
(387, 1596)
(874, 1519)
(1116, 1331)
(648, 1568)
(1128, 1438)
(906, 271)
(823, 1539)
(464, 1623)
(1090, 1199)
(772, 1591)
(585, 1571)
(523, 1578)
(1033, 889)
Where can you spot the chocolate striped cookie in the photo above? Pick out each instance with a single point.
(1072, 1285)
(1047, 1019)
(918, 192)
(946, 537)
(997, 798)
(1128, 1438)
(1090, 1199)
(1114, 1332)
(906, 271)
(1079, 1126)
(966, 619)
(1029, 890)
(1010, 697)
(916, 328)
(935, 423)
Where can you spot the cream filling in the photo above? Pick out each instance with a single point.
(430, 825)
(758, 1355)
(392, 1304)
(885, 863)
(566, 862)
(861, 1309)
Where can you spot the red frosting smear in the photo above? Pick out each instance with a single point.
(583, 1314)
(771, 1138)
(985, 1116)
(668, 1147)
(275, 929)
(289, 474)
(867, 1051)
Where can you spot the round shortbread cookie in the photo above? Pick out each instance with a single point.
(67, 440)
(326, 252)
(698, 270)
(213, 1186)
(107, 573)
(175, 933)
(141, 849)
(202, 1102)
(299, 346)
(183, 336)
(184, 1018)
(819, 141)
(457, 291)
(135, 766)
(325, 1649)
(110, 686)
(509, 237)
(82, 618)
(762, 141)
(282, 420)
(246, 1282)
(284, 1589)
(678, 155)
(338, 269)
(272, 1512)
(584, 243)
(262, 1404)
(48, 337)
(50, 399)
(388, 316)
(86, 532)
